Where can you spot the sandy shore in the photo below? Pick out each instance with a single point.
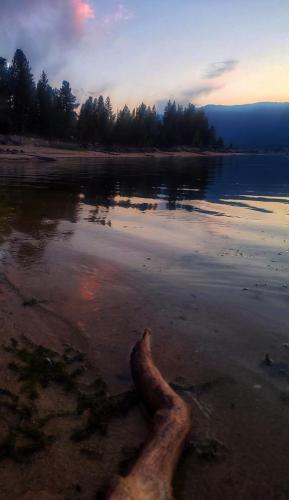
(47, 153)
(201, 338)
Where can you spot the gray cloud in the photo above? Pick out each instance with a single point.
(190, 94)
(200, 91)
(104, 89)
(53, 32)
(60, 17)
(46, 30)
(218, 69)
(193, 93)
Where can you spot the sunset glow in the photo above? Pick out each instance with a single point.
(82, 12)
(151, 51)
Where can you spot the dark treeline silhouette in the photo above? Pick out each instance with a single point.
(29, 108)
(26, 107)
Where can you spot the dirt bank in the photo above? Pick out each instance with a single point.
(26, 149)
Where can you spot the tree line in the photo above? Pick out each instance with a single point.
(27, 107)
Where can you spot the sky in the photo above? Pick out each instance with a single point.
(209, 51)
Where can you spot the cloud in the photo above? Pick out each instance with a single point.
(120, 14)
(50, 30)
(190, 94)
(82, 11)
(204, 88)
(71, 14)
(83, 94)
(200, 91)
(217, 69)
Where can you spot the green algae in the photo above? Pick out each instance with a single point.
(37, 366)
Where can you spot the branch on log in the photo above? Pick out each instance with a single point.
(151, 476)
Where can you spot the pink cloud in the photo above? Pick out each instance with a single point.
(59, 26)
(82, 11)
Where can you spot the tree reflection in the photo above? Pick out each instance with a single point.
(36, 198)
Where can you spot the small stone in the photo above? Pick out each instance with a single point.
(268, 360)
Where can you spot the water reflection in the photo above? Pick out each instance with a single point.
(35, 198)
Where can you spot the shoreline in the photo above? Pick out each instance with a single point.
(47, 152)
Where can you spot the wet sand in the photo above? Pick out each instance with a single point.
(215, 292)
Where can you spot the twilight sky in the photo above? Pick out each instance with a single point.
(209, 51)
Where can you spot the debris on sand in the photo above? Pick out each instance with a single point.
(181, 386)
(21, 434)
(37, 366)
(276, 368)
(33, 302)
(268, 361)
(207, 449)
(152, 473)
(100, 407)
(22, 422)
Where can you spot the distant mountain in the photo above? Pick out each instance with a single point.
(261, 125)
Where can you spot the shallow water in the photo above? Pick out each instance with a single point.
(198, 250)
(101, 239)
(219, 225)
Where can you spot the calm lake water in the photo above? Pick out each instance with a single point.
(179, 204)
(109, 192)
(198, 250)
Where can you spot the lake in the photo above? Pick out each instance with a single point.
(197, 250)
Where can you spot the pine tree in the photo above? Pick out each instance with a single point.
(45, 106)
(123, 129)
(102, 119)
(170, 124)
(189, 125)
(139, 126)
(4, 96)
(153, 126)
(87, 124)
(109, 109)
(201, 135)
(110, 120)
(22, 92)
(66, 110)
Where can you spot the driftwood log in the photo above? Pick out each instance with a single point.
(151, 476)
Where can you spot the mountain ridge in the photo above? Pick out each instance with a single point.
(254, 125)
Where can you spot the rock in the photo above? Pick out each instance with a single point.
(268, 360)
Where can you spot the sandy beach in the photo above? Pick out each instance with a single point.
(40, 150)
